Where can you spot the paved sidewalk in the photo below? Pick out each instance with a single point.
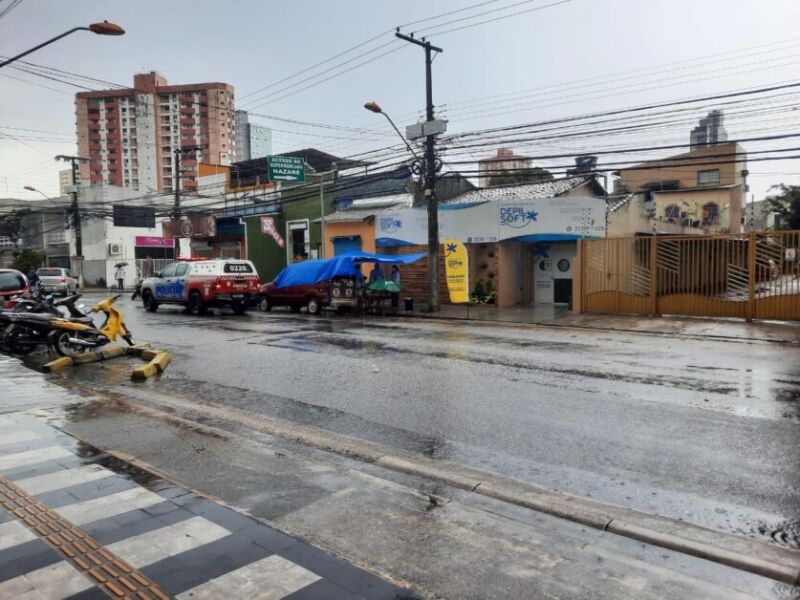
(78, 523)
(734, 329)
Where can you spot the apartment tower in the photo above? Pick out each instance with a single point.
(130, 135)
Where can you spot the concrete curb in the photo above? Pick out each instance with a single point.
(157, 361)
(736, 551)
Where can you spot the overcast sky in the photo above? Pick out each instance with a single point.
(572, 58)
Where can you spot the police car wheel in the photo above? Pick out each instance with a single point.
(196, 305)
(149, 303)
(265, 304)
(312, 306)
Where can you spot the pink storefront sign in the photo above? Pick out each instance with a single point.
(149, 241)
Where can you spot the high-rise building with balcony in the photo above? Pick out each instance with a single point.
(130, 135)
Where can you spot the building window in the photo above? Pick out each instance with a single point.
(672, 213)
(710, 177)
(710, 214)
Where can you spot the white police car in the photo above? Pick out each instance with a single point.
(202, 284)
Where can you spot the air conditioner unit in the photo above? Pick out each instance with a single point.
(114, 249)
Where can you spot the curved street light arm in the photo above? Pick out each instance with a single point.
(402, 137)
(43, 44)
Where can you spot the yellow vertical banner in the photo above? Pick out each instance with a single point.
(456, 270)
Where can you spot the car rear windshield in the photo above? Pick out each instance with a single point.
(237, 268)
(11, 282)
(49, 272)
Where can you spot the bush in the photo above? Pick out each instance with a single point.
(483, 293)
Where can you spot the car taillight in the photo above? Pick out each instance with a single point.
(218, 286)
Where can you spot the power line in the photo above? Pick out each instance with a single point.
(360, 45)
(12, 5)
(470, 25)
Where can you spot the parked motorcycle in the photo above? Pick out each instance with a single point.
(67, 335)
(20, 334)
(70, 337)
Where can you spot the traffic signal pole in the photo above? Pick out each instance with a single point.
(430, 174)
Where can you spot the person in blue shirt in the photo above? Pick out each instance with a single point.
(376, 274)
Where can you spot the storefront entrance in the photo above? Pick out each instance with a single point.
(552, 273)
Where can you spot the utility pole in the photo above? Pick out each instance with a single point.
(430, 174)
(322, 206)
(176, 210)
(76, 217)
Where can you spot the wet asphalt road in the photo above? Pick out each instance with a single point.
(706, 431)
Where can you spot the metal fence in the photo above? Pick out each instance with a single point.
(750, 276)
(149, 267)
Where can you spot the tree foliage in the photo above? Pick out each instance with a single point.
(512, 176)
(26, 259)
(786, 203)
(11, 223)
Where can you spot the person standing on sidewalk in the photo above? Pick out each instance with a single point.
(119, 275)
(395, 277)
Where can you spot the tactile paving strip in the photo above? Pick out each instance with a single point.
(110, 573)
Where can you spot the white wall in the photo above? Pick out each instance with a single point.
(146, 141)
(97, 234)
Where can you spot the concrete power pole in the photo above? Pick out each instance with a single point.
(76, 217)
(430, 175)
(176, 210)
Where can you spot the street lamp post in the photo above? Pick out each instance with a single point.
(375, 107)
(430, 170)
(104, 28)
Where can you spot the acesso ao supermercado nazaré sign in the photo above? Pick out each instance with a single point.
(286, 168)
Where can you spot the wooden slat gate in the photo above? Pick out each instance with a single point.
(753, 275)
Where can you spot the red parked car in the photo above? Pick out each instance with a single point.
(337, 293)
(313, 284)
(12, 283)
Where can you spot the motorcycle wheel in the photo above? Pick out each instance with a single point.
(19, 342)
(64, 347)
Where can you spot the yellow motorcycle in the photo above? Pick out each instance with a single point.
(72, 337)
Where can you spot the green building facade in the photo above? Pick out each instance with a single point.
(294, 219)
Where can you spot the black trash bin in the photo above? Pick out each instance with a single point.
(409, 304)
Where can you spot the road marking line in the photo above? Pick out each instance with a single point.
(69, 477)
(153, 546)
(13, 533)
(29, 457)
(53, 582)
(81, 551)
(109, 506)
(17, 437)
(270, 578)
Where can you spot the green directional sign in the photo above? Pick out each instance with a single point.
(286, 168)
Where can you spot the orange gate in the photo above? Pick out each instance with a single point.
(755, 275)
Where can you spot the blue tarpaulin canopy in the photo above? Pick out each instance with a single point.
(310, 272)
